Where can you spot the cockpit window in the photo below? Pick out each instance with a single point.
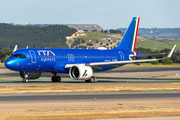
(18, 55)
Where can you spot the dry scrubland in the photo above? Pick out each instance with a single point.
(89, 88)
(89, 110)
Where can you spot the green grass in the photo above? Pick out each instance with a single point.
(159, 44)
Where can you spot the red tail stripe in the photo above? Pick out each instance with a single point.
(136, 34)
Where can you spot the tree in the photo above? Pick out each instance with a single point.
(114, 31)
(6, 57)
(34, 36)
(94, 30)
(83, 41)
(167, 62)
(90, 44)
(105, 31)
(155, 62)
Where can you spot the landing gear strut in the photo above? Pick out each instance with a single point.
(91, 80)
(25, 77)
(25, 80)
(56, 78)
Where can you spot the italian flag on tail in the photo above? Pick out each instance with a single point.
(133, 45)
(128, 41)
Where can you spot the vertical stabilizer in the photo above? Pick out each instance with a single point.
(128, 41)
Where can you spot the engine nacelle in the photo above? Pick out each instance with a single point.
(30, 75)
(81, 72)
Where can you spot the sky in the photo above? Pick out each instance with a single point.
(109, 14)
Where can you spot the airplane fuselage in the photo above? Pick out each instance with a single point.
(80, 63)
(54, 60)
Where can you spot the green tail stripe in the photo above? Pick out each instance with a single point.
(84, 72)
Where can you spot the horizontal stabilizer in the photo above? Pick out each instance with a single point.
(135, 56)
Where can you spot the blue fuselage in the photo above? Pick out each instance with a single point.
(54, 60)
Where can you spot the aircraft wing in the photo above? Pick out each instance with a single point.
(99, 64)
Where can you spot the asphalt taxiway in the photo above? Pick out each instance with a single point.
(118, 75)
(88, 96)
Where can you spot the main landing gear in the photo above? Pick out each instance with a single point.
(91, 80)
(56, 78)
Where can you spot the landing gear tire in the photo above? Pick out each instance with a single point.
(56, 79)
(53, 78)
(91, 80)
(25, 80)
(87, 81)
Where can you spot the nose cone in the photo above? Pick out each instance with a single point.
(10, 64)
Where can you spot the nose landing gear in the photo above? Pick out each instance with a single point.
(25, 76)
(25, 80)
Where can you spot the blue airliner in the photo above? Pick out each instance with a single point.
(79, 63)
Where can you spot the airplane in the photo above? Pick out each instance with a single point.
(79, 63)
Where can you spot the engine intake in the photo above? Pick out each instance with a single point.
(80, 72)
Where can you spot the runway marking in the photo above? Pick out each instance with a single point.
(130, 80)
(175, 83)
(21, 79)
(97, 80)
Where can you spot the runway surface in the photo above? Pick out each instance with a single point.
(117, 75)
(143, 69)
(136, 69)
(87, 96)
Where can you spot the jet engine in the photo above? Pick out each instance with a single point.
(30, 75)
(81, 72)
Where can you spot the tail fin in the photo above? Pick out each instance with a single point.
(128, 41)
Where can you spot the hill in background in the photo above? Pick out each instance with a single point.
(94, 40)
(60, 36)
(88, 27)
(158, 33)
(51, 36)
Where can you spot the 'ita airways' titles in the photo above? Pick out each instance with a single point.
(79, 63)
